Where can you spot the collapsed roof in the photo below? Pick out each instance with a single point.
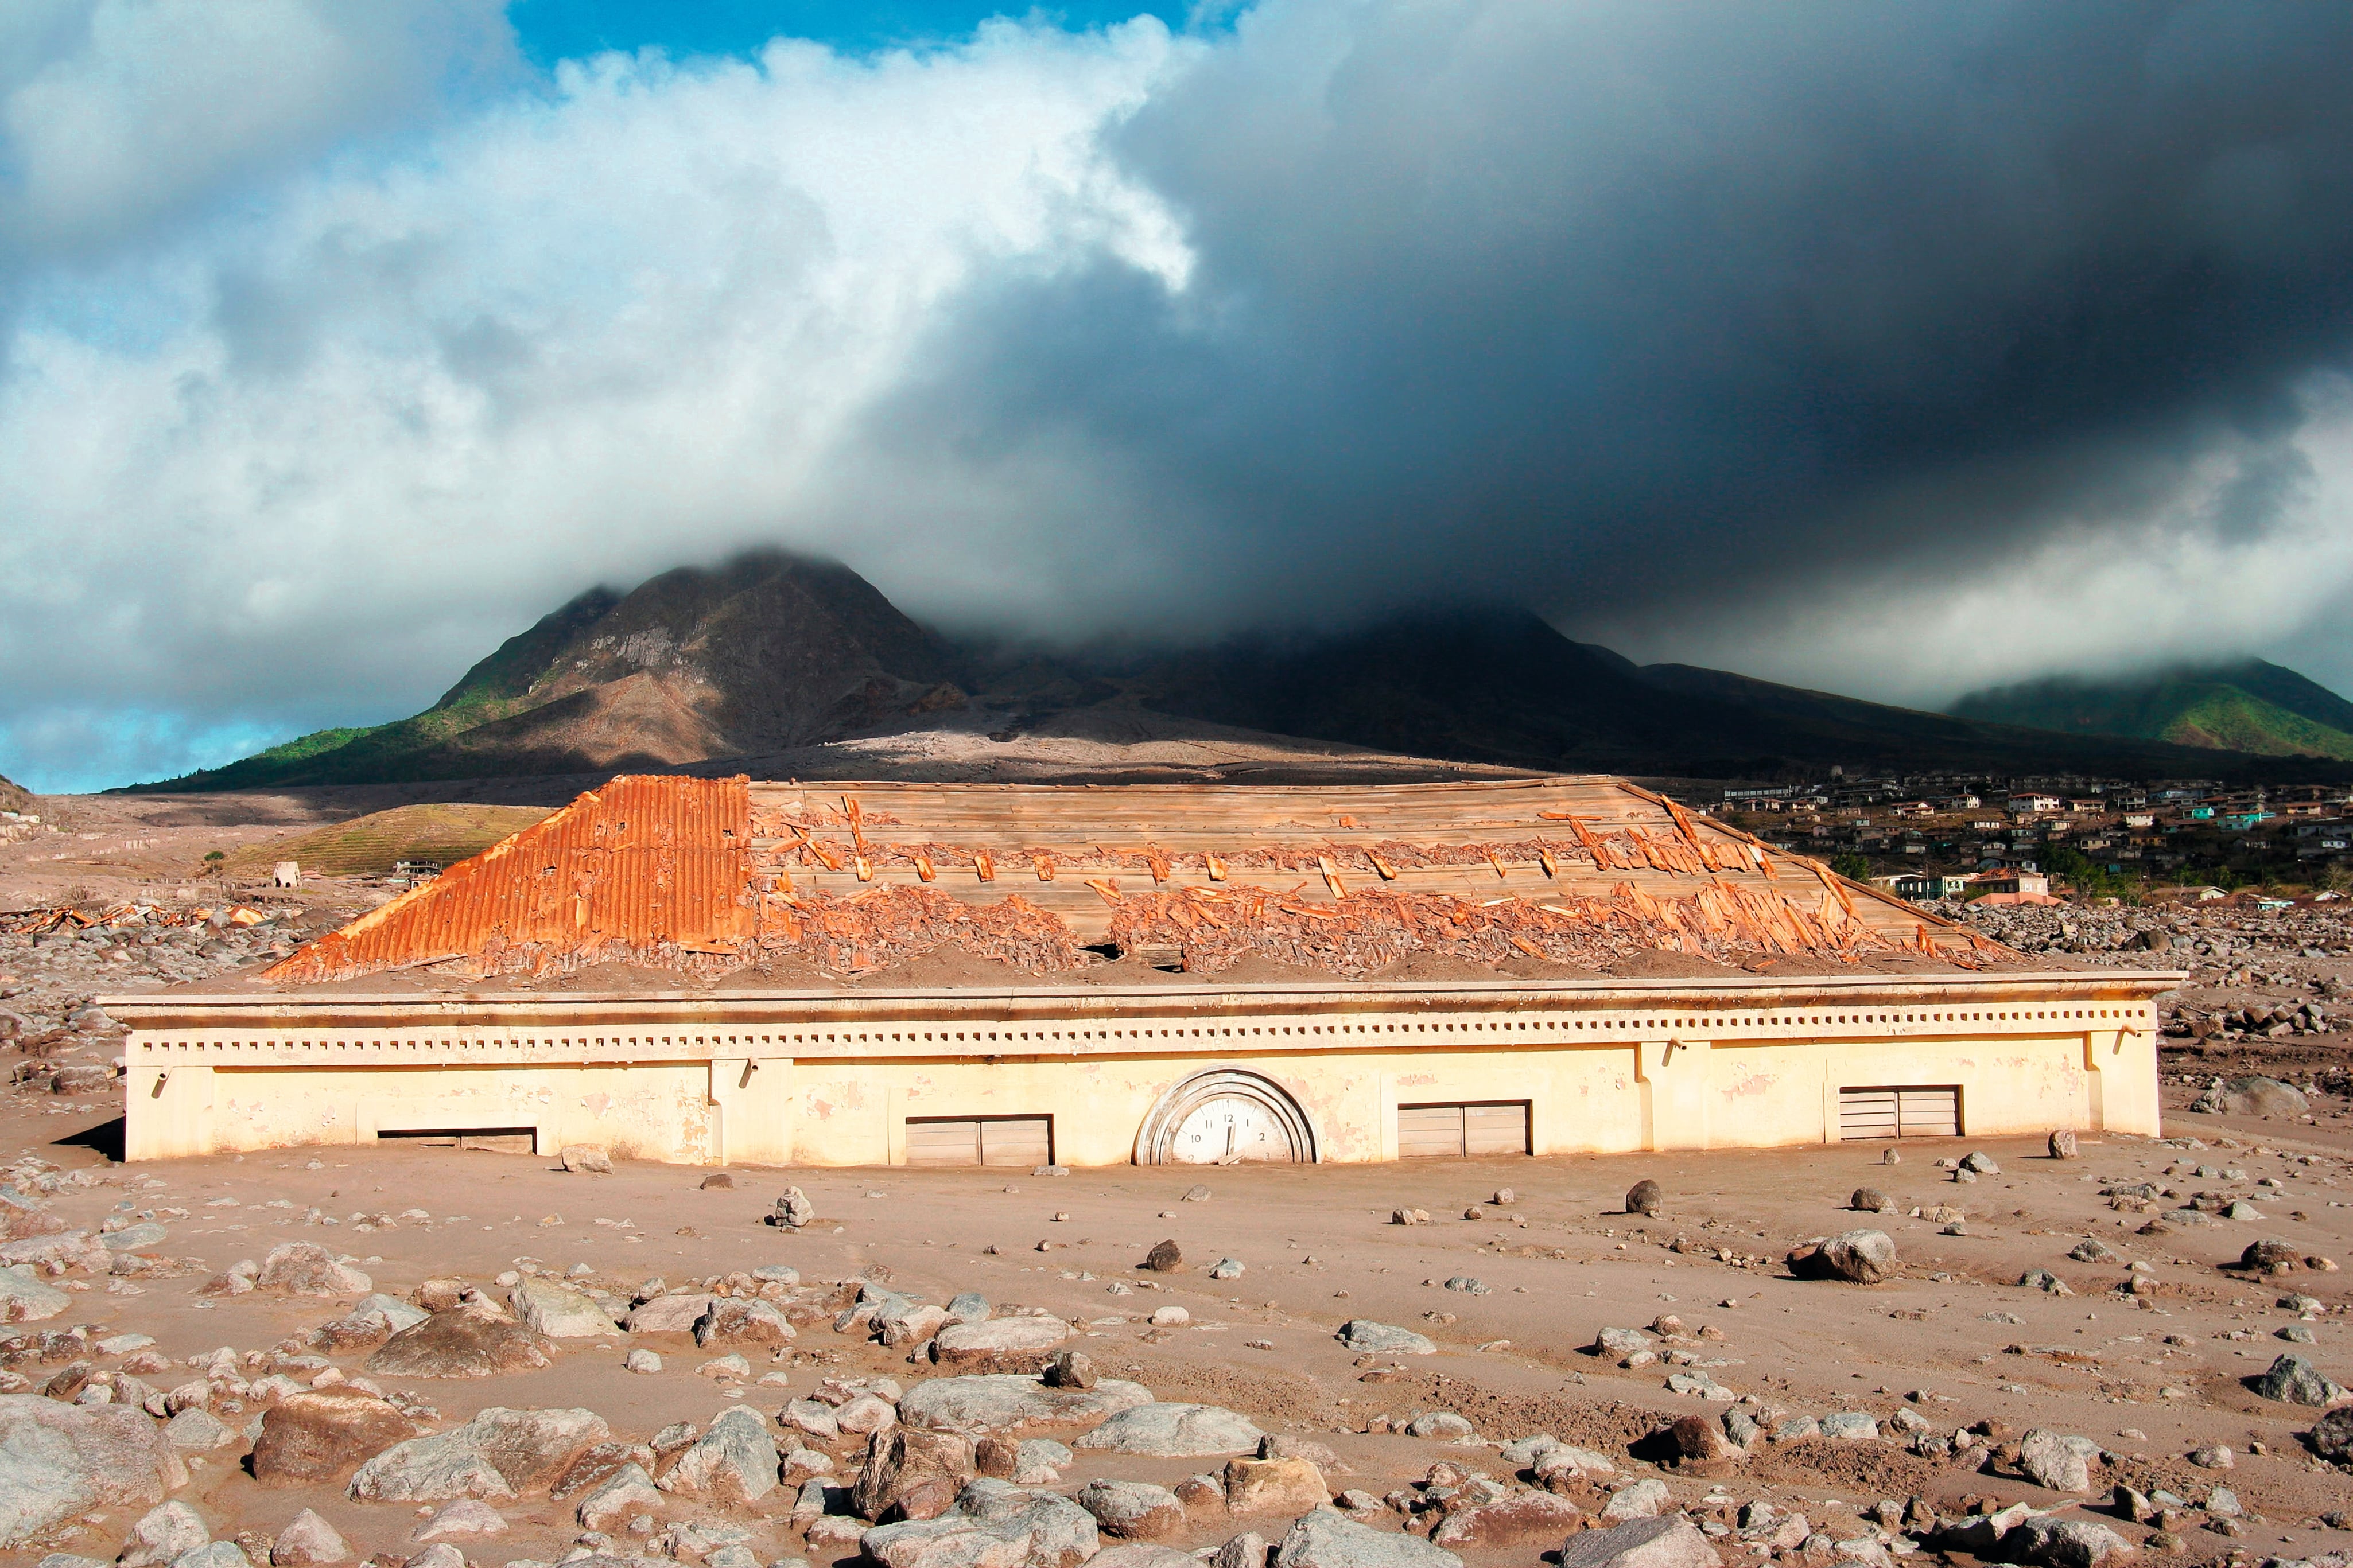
(709, 875)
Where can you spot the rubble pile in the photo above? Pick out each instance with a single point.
(892, 924)
(1362, 932)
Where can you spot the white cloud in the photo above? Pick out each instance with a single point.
(323, 456)
(116, 112)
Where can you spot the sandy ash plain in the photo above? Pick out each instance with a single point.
(2053, 1330)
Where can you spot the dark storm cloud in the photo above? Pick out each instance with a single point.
(1668, 305)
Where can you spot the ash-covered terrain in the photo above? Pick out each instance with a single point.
(442, 1355)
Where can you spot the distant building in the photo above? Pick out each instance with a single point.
(2030, 803)
(2020, 881)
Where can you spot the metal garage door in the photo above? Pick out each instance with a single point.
(1453, 1131)
(1899, 1112)
(980, 1139)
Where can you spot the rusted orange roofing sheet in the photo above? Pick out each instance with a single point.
(645, 868)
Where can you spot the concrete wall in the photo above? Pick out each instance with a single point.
(1602, 1097)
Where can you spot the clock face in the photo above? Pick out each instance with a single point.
(1229, 1128)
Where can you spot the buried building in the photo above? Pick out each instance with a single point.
(708, 970)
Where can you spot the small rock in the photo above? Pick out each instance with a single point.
(1981, 1164)
(643, 1361)
(1644, 1198)
(719, 1182)
(586, 1159)
(1226, 1268)
(2063, 1144)
(1069, 1369)
(1870, 1200)
(1442, 1426)
(1165, 1258)
(2214, 1458)
(1196, 1195)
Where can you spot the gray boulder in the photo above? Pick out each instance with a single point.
(1132, 1511)
(1175, 1432)
(306, 1541)
(2063, 1544)
(25, 1299)
(1023, 1343)
(1151, 1554)
(993, 1525)
(1326, 1538)
(474, 1339)
(59, 1461)
(306, 1269)
(163, 1534)
(1640, 1543)
(501, 1453)
(670, 1314)
(2332, 1436)
(2050, 1461)
(734, 1461)
(912, 1474)
(1364, 1335)
(2296, 1381)
(1000, 1402)
(1861, 1256)
(2257, 1096)
(619, 1498)
(548, 1307)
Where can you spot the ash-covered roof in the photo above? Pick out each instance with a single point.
(709, 875)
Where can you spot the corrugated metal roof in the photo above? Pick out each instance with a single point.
(643, 868)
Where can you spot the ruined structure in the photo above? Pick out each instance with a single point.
(708, 970)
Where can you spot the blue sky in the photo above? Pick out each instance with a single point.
(552, 30)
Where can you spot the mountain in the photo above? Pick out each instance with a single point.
(772, 652)
(767, 652)
(2251, 706)
(14, 796)
(1501, 685)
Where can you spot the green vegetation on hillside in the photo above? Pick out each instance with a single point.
(495, 688)
(371, 846)
(2252, 707)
